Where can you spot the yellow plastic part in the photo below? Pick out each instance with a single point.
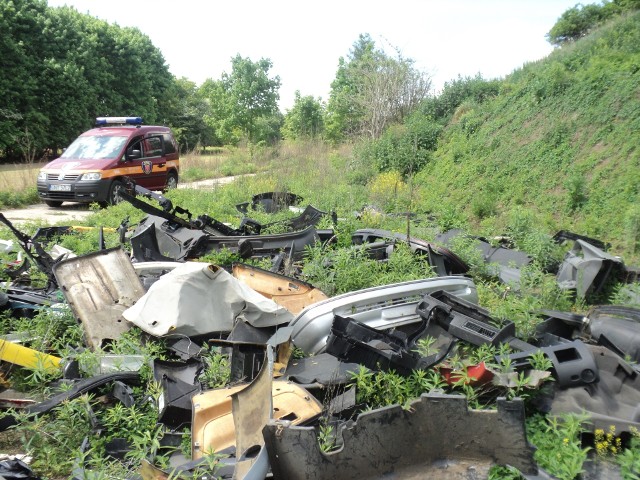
(27, 357)
(83, 228)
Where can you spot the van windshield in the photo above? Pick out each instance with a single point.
(95, 147)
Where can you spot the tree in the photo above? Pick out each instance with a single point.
(305, 119)
(373, 90)
(186, 112)
(61, 69)
(20, 23)
(249, 96)
(576, 23)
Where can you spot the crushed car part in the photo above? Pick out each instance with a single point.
(466, 321)
(443, 261)
(490, 253)
(586, 269)
(179, 382)
(436, 437)
(26, 301)
(573, 362)
(16, 469)
(564, 236)
(251, 409)
(617, 327)
(381, 308)
(292, 294)
(270, 202)
(247, 358)
(78, 388)
(170, 213)
(199, 298)
(106, 363)
(150, 272)
(322, 369)
(183, 346)
(613, 400)
(508, 262)
(99, 287)
(212, 426)
(155, 240)
(163, 235)
(34, 251)
(354, 342)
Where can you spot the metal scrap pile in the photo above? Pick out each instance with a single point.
(291, 407)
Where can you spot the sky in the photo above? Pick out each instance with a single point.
(304, 40)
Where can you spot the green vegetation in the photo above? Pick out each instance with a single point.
(61, 68)
(553, 146)
(556, 142)
(314, 171)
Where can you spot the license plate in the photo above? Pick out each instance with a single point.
(65, 187)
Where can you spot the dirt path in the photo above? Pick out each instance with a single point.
(69, 212)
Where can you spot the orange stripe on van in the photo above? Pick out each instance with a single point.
(124, 171)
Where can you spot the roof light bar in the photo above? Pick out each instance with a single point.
(102, 121)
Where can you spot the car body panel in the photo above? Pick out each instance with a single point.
(381, 308)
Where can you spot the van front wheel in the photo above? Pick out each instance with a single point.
(114, 192)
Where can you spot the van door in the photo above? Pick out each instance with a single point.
(148, 168)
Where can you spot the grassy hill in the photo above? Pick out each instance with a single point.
(560, 141)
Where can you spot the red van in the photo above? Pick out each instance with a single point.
(92, 167)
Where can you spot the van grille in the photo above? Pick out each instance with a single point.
(69, 177)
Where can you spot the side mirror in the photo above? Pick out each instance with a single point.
(134, 154)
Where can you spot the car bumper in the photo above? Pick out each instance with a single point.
(79, 191)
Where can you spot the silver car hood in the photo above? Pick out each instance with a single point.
(381, 308)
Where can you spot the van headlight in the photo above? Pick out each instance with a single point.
(42, 175)
(91, 176)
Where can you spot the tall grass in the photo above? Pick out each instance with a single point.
(18, 184)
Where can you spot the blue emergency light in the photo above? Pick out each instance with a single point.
(103, 121)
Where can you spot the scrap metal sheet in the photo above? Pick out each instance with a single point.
(99, 287)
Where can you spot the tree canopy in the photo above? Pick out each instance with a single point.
(243, 104)
(305, 119)
(579, 20)
(61, 69)
(373, 90)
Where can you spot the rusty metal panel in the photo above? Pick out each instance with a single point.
(436, 437)
(99, 287)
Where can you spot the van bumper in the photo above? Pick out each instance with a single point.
(78, 191)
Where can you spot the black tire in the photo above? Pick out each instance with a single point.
(172, 181)
(114, 192)
(53, 203)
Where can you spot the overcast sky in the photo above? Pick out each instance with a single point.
(305, 40)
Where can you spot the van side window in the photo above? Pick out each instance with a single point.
(152, 147)
(136, 144)
(169, 144)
